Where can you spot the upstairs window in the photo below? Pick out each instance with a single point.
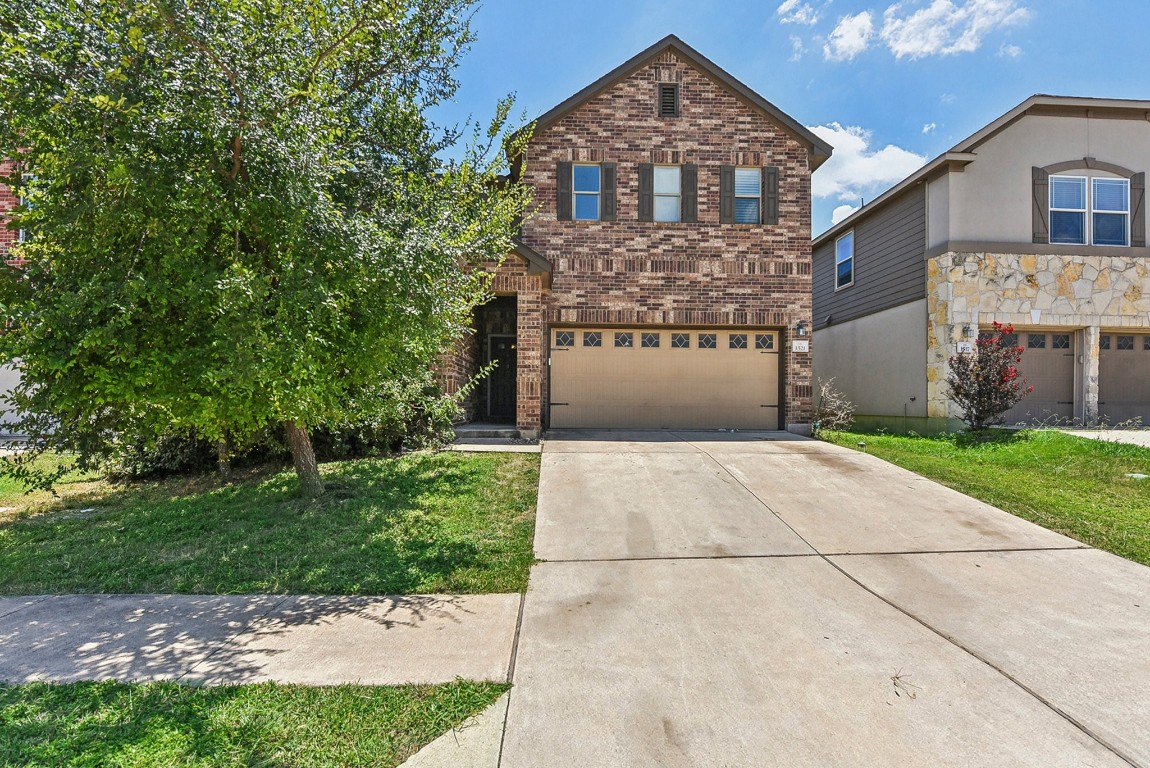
(586, 184)
(1111, 223)
(668, 100)
(748, 195)
(668, 192)
(1089, 211)
(845, 260)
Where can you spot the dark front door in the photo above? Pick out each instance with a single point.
(501, 380)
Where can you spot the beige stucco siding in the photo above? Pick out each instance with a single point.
(990, 201)
(878, 361)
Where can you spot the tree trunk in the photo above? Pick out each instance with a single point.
(224, 459)
(303, 459)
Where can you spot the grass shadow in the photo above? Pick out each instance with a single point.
(444, 522)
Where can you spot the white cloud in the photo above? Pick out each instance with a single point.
(840, 213)
(1009, 51)
(797, 48)
(797, 12)
(851, 36)
(855, 170)
(929, 128)
(944, 28)
(947, 98)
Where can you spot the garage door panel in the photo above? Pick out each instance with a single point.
(1047, 365)
(1124, 378)
(664, 387)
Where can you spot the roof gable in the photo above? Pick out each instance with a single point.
(965, 152)
(820, 151)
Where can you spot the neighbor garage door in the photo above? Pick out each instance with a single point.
(664, 378)
(1048, 366)
(1124, 378)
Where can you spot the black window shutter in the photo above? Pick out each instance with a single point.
(563, 183)
(608, 209)
(689, 189)
(646, 192)
(727, 194)
(1040, 208)
(1138, 210)
(770, 195)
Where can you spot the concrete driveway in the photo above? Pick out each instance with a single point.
(751, 599)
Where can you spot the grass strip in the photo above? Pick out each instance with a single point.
(104, 724)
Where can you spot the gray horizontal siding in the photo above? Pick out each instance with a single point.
(890, 269)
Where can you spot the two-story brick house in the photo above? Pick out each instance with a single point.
(664, 280)
(1037, 220)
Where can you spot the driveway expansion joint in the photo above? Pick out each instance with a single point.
(40, 599)
(979, 657)
(950, 639)
(232, 638)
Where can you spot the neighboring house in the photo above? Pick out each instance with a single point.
(665, 276)
(1038, 220)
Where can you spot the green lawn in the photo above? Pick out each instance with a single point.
(165, 724)
(428, 522)
(1068, 484)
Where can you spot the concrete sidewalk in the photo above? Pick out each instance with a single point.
(245, 639)
(1129, 436)
(761, 600)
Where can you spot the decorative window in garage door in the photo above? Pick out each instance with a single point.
(592, 339)
(1126, 343)
(1104, 342)
(1036, 341)
(764, 341)
(680, 341)
(564, 339)
(707, 340)
(650, 341)
(623, 339)
(738, 341)
(1146, 343)
(1060, 341)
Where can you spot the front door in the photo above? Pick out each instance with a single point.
(501, 380)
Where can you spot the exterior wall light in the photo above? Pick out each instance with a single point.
(801, 328)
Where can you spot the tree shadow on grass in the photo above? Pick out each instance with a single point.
(388, 526)
(96, 723)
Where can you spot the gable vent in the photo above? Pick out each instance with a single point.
(668, 100)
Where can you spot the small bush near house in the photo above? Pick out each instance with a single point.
(832, 409)
(985, 383)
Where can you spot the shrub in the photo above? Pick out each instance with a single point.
(986, 383)
(832, 409)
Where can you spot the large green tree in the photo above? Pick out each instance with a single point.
(239, 212)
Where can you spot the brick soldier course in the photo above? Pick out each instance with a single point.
(633, 273)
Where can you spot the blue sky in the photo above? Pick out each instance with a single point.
(891, 85)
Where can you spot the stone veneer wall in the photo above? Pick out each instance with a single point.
(628, 272)
(1066, 291)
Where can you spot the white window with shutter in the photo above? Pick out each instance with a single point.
(668, 192)
(1089, 210)
(748, 195)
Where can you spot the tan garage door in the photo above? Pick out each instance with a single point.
(1048, 366)
(1124, 377)
(664, 378)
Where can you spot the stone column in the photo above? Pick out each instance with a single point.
(1090, 374)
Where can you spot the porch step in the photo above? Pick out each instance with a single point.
(486, 431)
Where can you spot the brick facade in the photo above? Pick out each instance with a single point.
(627, 272)
(8, 200)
